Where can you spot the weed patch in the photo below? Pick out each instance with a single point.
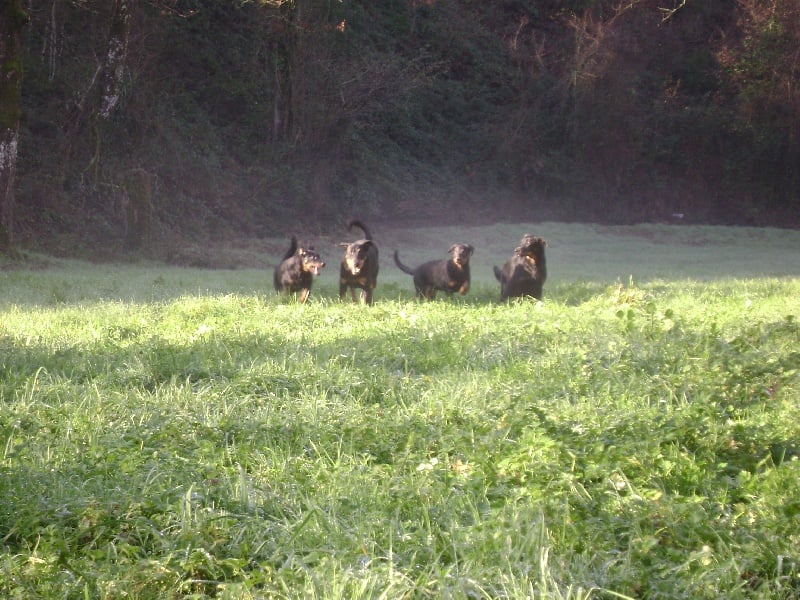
(626, 440)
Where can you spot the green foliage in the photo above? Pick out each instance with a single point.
(251, 116)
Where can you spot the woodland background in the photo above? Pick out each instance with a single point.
(147, 122)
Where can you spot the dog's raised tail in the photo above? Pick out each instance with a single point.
(292, 248)
(361, 226)
(400, 265)
(498, 274)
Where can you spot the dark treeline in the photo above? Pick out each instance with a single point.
(154, 119)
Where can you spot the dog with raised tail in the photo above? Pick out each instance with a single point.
(526, 271)
(359, 268)
(297, 270)
(448, 275)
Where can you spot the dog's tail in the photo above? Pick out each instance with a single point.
(292, 248)
(498, 274)
(400, 265)
(361, 226)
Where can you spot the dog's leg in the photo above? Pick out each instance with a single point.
(420, 286)
(304, 295)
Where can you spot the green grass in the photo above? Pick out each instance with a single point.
(174, 433)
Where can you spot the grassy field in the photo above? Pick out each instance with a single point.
(184, 433)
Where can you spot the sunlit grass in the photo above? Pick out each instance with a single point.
(173, 433)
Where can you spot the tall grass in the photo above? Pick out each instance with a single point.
(169, 433)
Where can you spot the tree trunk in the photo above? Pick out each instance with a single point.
(113, 69)
(12, 19)
(103, 92)
(137, 190)
(111, 74)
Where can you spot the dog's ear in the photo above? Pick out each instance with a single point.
(343, 244)
(471, 249)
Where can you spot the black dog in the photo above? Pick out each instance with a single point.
(359, 265)
(451, 275)
(526, 271)
(297, 270)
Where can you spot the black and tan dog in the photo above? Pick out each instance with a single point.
(526, 271)
(297, 270)
(359, 267)
(450, 275)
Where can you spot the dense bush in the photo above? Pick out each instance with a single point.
(249, 114)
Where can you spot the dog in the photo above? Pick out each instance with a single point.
(526, 271)
(359, 268)
(297, 270)
(450, 275)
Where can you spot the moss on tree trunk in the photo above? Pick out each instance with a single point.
(12, 20)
